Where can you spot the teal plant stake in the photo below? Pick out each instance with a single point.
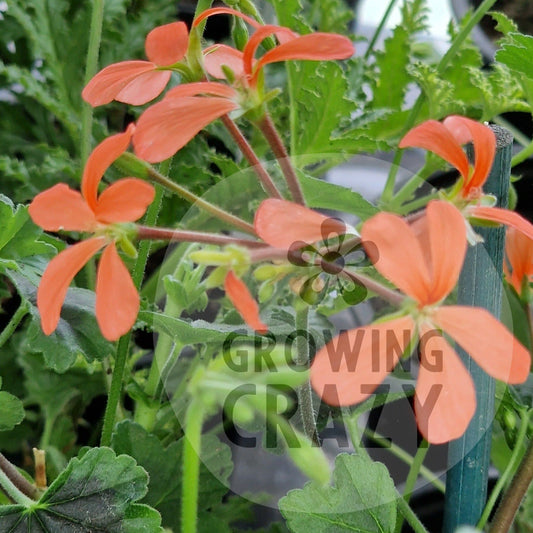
(480, 285)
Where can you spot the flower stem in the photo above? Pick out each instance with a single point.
(379, 29)
(503, 519)
(15, 485)
(251, 157)
(91, 65)
(412, 476)
(121, 356)
(451, 53)
(410, 516)
(304, 392)
(268, 128)
(191, 466)
(237, 222)
(20, 313)
(509, 469)
(391, 296)
(176, 235)
(408, 459)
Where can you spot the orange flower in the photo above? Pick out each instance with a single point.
(167, 126)
(138, 82)
(423, 262)
(314, 46)
(519, 251)
(62, 208)
(445, 140)
(243, 301)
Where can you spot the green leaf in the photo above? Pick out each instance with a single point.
(321, 107)
(19, 235)
(94, 493)
(323, 195)
(516, 52)
(164, 467)
(11, 411)
(77, 332)
(362, 498)
(196, 332)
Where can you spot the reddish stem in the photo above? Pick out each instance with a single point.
(268, 128)
(165, 234)
(251, 157)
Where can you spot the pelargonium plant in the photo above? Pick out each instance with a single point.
(181, 303)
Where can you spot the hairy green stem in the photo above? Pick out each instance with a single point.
(304, 391)
(408, 189)
(251, 157)
(117, 380)
(509, 469)
(408, 459)
(191, 466)
(451, 53)
(219, 213)
(410, 516)
(15, 485)
(522, 155)
(268, 129)
(20, 313)
(412, 476)
(503, 519)
(91, 66)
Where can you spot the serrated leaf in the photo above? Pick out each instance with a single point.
(321, 194)
(164, 466)
(362, 498)
(516, 52)
(93, 494)
(319, 94)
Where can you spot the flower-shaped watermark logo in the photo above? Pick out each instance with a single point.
(328, 265)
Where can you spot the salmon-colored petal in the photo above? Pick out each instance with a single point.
(447, 241)
(502, 216)
(282, 224)
(125, 200)
(445, 397)
(212, 88)
(167, 44)
(484, 148)
(314, 47)
(255, 40)
(144, 87)
(220, 54)
(486, 340)
(117, 299)
(57, 277)
(350, 367)
(386, 239)
(519, 252)
(169, 125)
(104, 86)
(435, 137)
(238, 293)
(100, 159)
(224, 11)
(61, 207)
